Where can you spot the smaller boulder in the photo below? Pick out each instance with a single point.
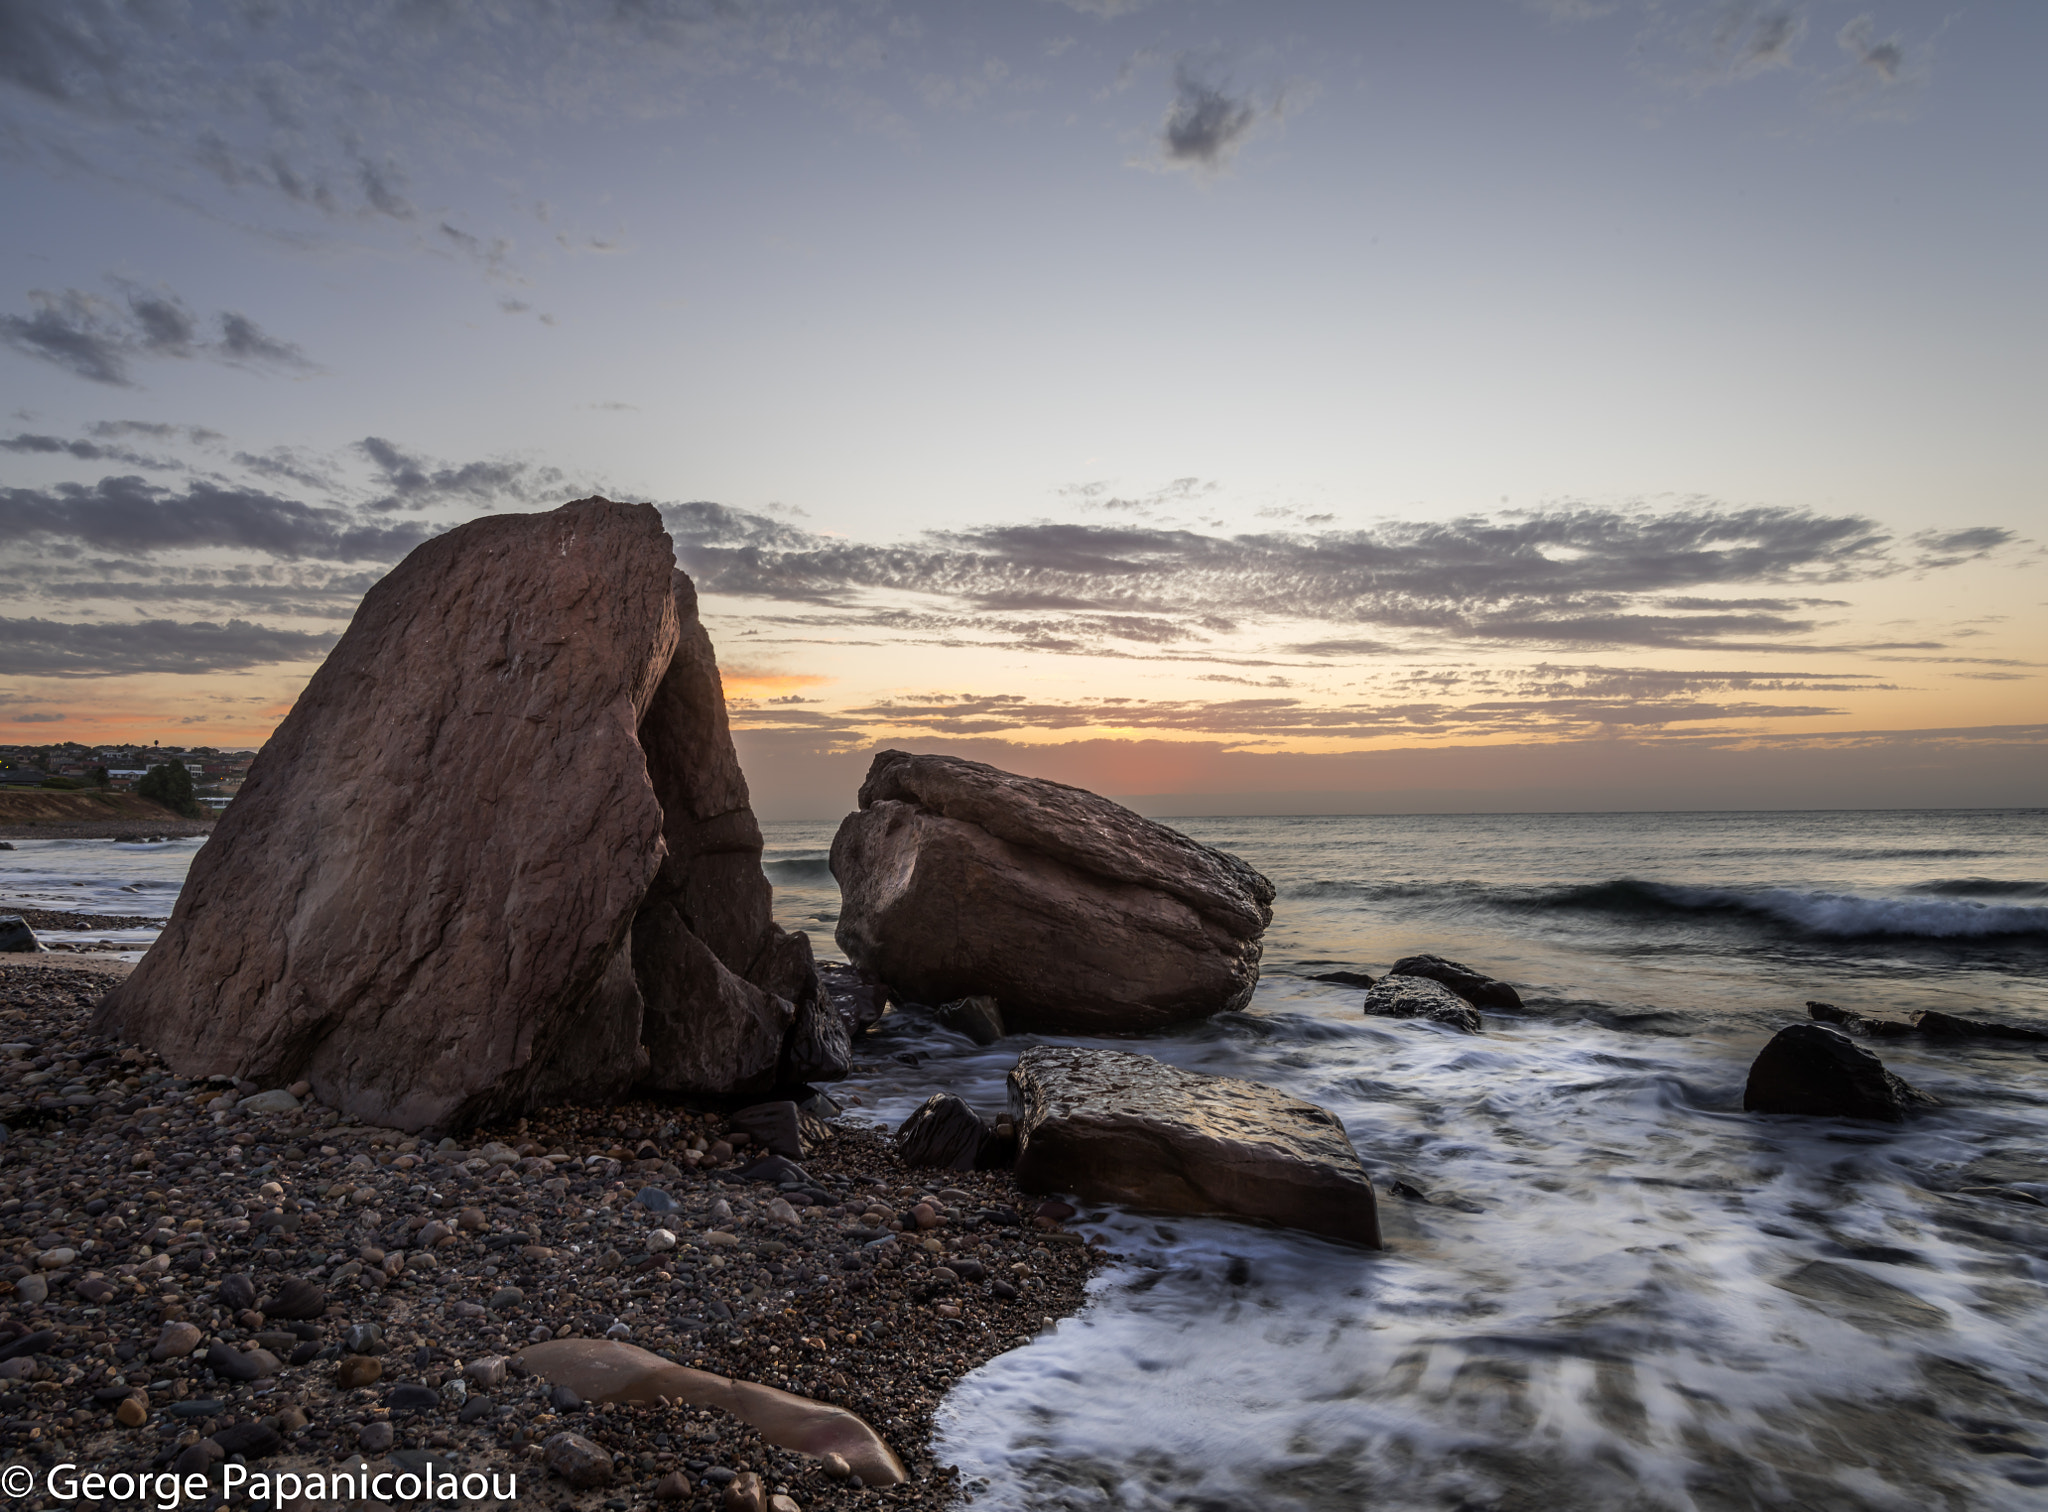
(945, 1133)
(1424, 998)
(1475, 987)
(1856, 1023)
(1948, 1026)
(1819, 1072)
(297, 1298)
(976, 1017)
(1344, 978)
(16, 938)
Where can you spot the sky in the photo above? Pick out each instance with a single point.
(1234, 408)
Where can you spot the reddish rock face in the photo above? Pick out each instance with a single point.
(1072, 912)
(424, 900)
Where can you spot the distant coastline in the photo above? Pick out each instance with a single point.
(44, 814)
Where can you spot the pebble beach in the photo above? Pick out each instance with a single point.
(193, 1261)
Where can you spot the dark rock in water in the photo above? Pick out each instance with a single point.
(582, 911)
(859, 998)
(945, 1133)
(976, 1017)
(297, 1298)
(237, 1293)
(16, 938)
(1071, 911)
(1872, 1305)
(1423, 998)
(1475, 987)
(775, 1126)
(1344, 978)
(1948, 1026)
(1109, 1126)
(1819, 1072)
(1856, 1023)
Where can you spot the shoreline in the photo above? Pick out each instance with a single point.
(104, 829)
(834, 1307)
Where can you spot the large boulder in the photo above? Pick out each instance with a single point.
(1818, 1071)
(499, 852)
(1075, 914)
(1115, 1127)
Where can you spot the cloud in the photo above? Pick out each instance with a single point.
(1565, 575)
(50, 648)
(414, 482)
(129, 514)
(97, 339)
(1884, 59)
(1205, 124)
(85, 451)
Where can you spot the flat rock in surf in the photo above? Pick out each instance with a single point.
(1420, 997)
(1072, 912)
(499, 853)
(1475, 987)
(1819, 1072)
(1111, 1126)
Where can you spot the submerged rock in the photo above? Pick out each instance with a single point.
(1856, 1023)
(499, 852)
(1423, 998)
(1115, 1127)
(1073, 912)
(607, 1370)
(1818, 1071)
(979, 1018)
(1475, 987)
(1948, 1026)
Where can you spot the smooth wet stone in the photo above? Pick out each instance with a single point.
(232, 1364)
(660, 1241)
(486, 1373)
(32, 1289)
(1817, 1071)
(354, 1371)
(236, 1292)
(176, 1341)
(375, 1437)
(602, 1370)
(577, 1460)
(132, 1413)
(412, 1397)
(1422, 998)
(275, 1101)
(1475, 987)
(655, 1200)
(475, 1409)
(363, 1339)
(1111, 1126)
(506, 1297)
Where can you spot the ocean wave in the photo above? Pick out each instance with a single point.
(1834, 915)
(1981, 887)
(800, 869)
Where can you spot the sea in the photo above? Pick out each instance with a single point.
(1611, 1287)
